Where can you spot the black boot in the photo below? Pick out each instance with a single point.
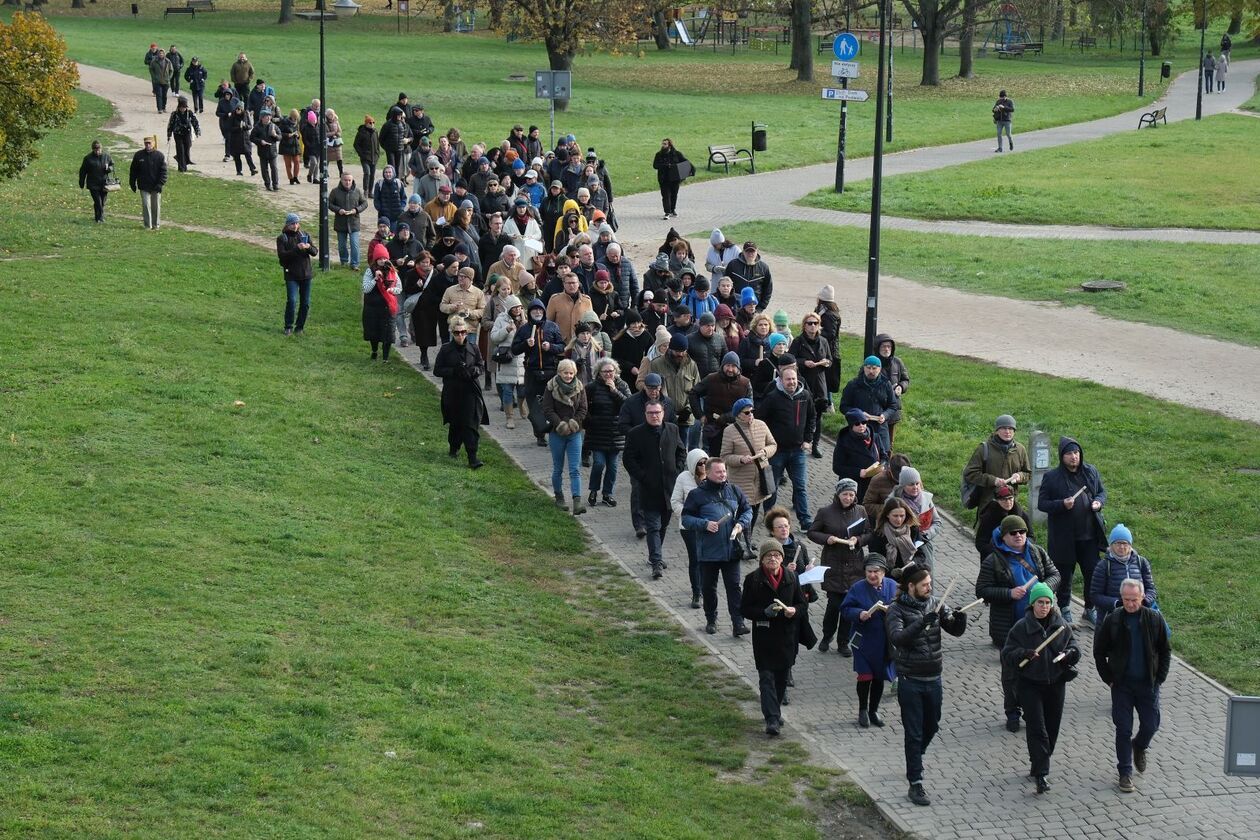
(424, 359)
(877, 694)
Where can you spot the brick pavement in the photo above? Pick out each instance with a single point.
(975, 768)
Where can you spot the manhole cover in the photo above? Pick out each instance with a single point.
(1102, 286)
(517, 77)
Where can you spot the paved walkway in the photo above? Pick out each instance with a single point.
(1045, 338)
(975, 768)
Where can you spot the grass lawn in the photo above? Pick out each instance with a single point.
(1172, 475)
(1166, 282)
(293, 616)
(623, 104)
(1183, 175)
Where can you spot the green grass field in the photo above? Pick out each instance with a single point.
(622, 104)
(1196, 175)
(1181, 479)
(295, 617)
(1166, 282)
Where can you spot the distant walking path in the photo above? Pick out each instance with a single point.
(1045, 338)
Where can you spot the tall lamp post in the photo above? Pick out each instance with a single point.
(1198, 99)
(877, 175)
(1142, 55)
(325, 259)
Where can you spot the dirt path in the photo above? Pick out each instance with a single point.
(1046, 338)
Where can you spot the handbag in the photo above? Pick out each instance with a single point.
(112, 184)
(765, 475)
(502, 355)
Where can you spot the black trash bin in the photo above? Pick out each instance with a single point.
(1165, 70)
(759, 138)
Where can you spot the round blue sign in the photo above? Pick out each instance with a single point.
(845, 46)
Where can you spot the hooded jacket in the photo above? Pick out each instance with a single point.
(538, 360)
(1065, 527)
(756, 277)
(716, 260)
(998, 576)
(894, 369)
(684, 484)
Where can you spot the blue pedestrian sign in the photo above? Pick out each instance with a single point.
(845, 46)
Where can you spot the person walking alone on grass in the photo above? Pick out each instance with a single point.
(1132, 655)
(242, 73)
(148, 176)
(295, 251)
(915, 621)
(1002, 111)
(459, 364)
(668, 164)
(94, 173)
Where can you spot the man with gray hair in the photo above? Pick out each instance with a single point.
(621, 273)
(1132, 654)
(431, 180)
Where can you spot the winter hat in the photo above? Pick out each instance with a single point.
(511, 302)
(909, 475)
(680, 311)
(465, 205)
(827, 293)
(414, 198)
(740, 404)
(1120, 533)
(633, 317)
(652, 380)
(717, 237)
(1040, 590)
(707, 318)
(912, 573)
(1003, 492)
(731, 358)
(872, 360)
(450, 260)
(382, 220)
(875, 560)
(590, 154)
(292, 219)
(678, 343)
(1004, 421)
(377, 252)
(518, 165)
(605, 228)
(786, 360)
(701, 284)
(846, 484)
(723, 311)
(662, 336)
(768, 547)
(601, 274)
(1009, 523)
(483, 161)
(747, 296)
(781, 318)
(521, 201)
(581, 327)
(404, 226)
(776, 339)
(661, 263)
(855, 416)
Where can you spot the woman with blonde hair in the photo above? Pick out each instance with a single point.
(564, 407)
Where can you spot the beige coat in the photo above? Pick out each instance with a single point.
(472, 300)
(565, 312)
(744, 476)
(516, 273)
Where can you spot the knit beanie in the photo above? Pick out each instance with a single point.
(1009, 523)
(781, 318)
(1004, 421)
(872, 360)
(1040, 590)
(1120, 533)
(747, 296)
(678, 343)
(731, 358)
(776, 339)
(846, 484)
(740, 404)
(909, 475)
(768, 546)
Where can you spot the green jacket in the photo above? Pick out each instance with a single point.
(1004, 460)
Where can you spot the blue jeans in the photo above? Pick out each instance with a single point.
(509, 394)
(566, 448)
(1125, 697)
(691, 438)
(604, 466)
(656, 522)
(793, 460)
(348, 256)
(920, 702)
(295, 288)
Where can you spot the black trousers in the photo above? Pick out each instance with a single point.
(669, 196)
(729, 572)
(773, 686)
(1010, 691)
(398, 160)
(98, 204)
(832, 621)
(183, 150)
(458, 434)
(249, 158)
(199, 100)
(1066, 558)
(535, 383)
(270, 175)
(1043, 711)
(242, 91)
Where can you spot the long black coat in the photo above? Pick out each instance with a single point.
(1064, 527)
(654, 461)
(774, 639)
(603, 432)
(460, 368)
(378, 323)
(852, 455)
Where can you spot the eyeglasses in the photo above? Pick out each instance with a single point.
(746, 411)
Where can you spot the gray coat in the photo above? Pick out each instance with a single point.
(340, 198)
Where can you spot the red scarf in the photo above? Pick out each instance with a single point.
(775, 579)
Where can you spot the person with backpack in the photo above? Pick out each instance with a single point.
(999, 461)
(1002, 110)
(182, 126)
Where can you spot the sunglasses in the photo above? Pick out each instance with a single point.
(747, 411)
(812, 323)
(459, 332)
(1018, 533)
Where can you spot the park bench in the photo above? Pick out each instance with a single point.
(180, 10)
(1153, 117)
(1085, 41)
(315, 14)
(1013, 51)
(727, 155)
(200, 5)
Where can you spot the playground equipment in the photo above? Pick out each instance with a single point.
(1008, 30)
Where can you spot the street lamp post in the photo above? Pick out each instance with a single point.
(877, 175)
(325, 259)
(1142, 55)
(1198, 99)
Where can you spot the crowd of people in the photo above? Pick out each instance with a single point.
(502, 260)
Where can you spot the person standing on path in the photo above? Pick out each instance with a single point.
(1227, 46)
(717, 512)
(227, 99)
(842, 530)
(1132, 655)
(1072, 497)
(871, 393)
(564, 406)
(161, 72)
(242, 74)
(1209, 72)
(771, 599)
(240, 126)
(668, 165)
(459, 364)
(1002, 111)
(788, 410)
(1222, 67)
(999, 461)
(148, 176)
(654, 456)
(1043, 675)
(295, 250)
(871, 655)
(347, 202)
(95, 171)
(915, 621)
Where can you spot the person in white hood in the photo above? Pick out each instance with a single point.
(721, 251)
(697, 468)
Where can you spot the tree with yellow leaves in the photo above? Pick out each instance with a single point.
(36, 79)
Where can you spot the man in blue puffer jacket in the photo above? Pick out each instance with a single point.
(718, 512)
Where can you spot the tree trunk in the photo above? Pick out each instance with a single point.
(967, 41)
(661, 27)
(286, 11)
(802, 55)
(78, 4)
(448, 16)
(1153, 35)
(560, 58)
(1235, 23)
(497, 8)
(933, 41)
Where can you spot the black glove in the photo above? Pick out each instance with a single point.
(1073, 656)
(931, 618)
(772, 611)
(1030, 653)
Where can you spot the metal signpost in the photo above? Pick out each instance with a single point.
(877, 176)
(552, 85)
(845, 47)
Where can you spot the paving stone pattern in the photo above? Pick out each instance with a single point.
(975, 769)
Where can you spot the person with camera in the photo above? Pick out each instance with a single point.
(96, 175)
(295, 251)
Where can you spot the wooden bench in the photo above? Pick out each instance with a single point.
(1153, 117)
(727, 155)
(1085, 41)
(180, 10)
(1013, 51)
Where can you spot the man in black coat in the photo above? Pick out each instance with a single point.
(148, 176)
(634, 413)
(459, 364)
(295, 250)
(1072, 497)
(654, 457)
(1132, 655)
(856, 455)
(788, 409)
